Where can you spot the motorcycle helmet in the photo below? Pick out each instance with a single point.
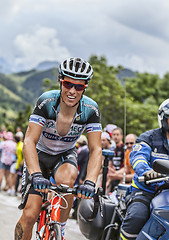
(163, 115)
(76, 68)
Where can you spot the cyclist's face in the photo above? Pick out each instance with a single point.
(71, 96)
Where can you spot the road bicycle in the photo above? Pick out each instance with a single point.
(48, 226)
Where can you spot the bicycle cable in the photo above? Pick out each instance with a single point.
(62, 197)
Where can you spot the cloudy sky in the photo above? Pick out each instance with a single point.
(132, 33)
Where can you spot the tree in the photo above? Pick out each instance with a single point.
(107, 91)
(143, 86)
(23, 118)
(51, 84)
(164, 88)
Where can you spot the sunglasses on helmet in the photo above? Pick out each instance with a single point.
(77, 86)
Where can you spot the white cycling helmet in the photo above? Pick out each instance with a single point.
(163, 115)
(76, 68)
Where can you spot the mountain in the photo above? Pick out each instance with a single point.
(20, 89)
(6, 68)
(34, 82)
(47, 65)
(125, 73)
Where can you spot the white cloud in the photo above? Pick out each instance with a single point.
(38, 45)
(130, 33)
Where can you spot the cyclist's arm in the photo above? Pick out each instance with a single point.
(95, 156)
(29, 148)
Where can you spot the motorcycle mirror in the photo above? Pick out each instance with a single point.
(161, 166)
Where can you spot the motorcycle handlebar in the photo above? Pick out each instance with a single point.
(143, 179)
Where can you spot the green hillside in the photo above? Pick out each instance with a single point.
(20, 89)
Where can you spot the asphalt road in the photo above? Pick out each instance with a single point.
(9, 215)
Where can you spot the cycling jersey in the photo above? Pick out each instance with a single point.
(45, 114)
(149, 146)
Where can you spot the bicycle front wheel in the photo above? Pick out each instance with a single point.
(55, 232)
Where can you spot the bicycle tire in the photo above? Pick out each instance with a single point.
(55, 232)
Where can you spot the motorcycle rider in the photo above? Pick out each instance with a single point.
(149, 146)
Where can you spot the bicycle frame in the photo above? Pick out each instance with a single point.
(50, 214)
(48, 221)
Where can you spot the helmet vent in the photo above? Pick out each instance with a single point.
(77, 66)
(83, 67)
(64, 64)
(71, 64)
(89, 69)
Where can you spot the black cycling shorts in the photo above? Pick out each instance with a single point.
(49, 165)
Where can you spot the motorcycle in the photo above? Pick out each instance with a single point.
(157, 227)
(100, 218)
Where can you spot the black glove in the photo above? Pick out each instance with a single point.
(39, 182)
(87, 189)
(151, 174)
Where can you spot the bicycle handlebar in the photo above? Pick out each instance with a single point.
(63, 189)
(58, 189)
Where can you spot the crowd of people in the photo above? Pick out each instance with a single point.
(55, 147)
(11, 160)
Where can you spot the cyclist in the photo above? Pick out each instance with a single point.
(57, 121)
(149, 146)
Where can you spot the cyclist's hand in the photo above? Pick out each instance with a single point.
(151, 174)
(39, 182)
(86, 190)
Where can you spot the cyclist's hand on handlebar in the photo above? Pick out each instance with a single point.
(151, 174)
(86, 190)
(40, 183)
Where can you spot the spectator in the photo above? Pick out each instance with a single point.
(19, 133)
(16, 168)
(109, 129)
(129, 172)
(106, 141)
(8, 148)
(2, 132)
(118, 158)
